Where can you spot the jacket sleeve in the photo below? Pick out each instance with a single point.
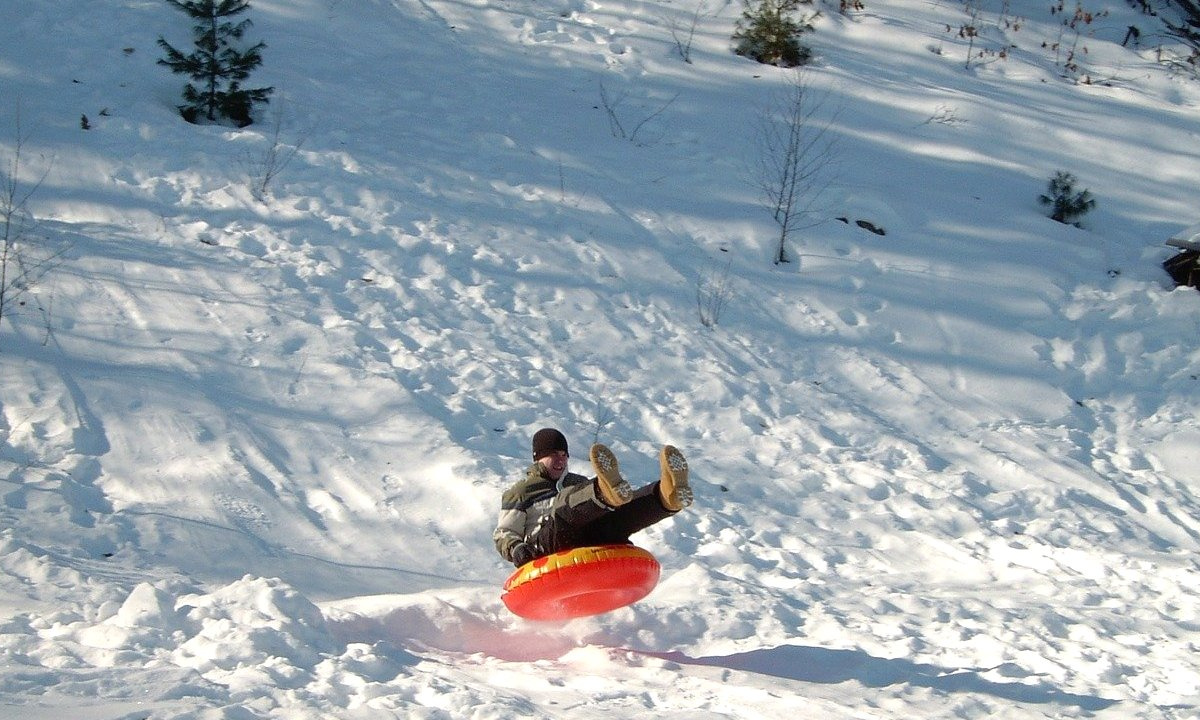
(510, 526)
(509, 532)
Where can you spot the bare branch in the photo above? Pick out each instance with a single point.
(795, 152)
(683, 37)
(19, 270)
(264, 167)
(713, 292)
(614, 121)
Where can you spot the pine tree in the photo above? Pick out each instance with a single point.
(769, 33)
(217, 67)
(1065, 204)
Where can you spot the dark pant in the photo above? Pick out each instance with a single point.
(580, 518)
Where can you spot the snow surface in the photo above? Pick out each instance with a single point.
(251, 451)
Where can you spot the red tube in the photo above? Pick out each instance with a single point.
(579, 582)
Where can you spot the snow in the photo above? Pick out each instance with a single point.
(251, 451)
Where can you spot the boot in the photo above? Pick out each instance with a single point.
(673, 488)
(610, 486)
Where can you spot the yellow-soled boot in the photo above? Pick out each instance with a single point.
(673, 488)
(613, 489)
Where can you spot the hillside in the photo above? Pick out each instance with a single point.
(252, 448)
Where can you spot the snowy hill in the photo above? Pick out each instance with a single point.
(251, 450)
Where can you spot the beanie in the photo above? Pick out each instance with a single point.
(547, 441)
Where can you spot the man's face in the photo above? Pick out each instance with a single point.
(555, 464)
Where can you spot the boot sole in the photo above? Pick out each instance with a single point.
(675, 465)
(609, 473)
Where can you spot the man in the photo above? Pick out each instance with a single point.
(552, 509)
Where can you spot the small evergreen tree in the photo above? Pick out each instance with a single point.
(770, 33)
(217, 67)
(1066, 205)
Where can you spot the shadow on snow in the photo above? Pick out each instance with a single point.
(831, 665)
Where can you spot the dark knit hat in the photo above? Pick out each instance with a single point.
(548, 441)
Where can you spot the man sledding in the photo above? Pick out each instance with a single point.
(568, 534)
(552, 509)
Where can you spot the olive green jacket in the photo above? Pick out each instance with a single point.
(524, 507)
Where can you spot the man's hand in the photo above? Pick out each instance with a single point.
(522, 553)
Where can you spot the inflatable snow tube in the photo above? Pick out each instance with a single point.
(584, 581)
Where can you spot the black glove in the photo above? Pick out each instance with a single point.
(522, 553)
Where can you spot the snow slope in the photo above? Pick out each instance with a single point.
(251, 450)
